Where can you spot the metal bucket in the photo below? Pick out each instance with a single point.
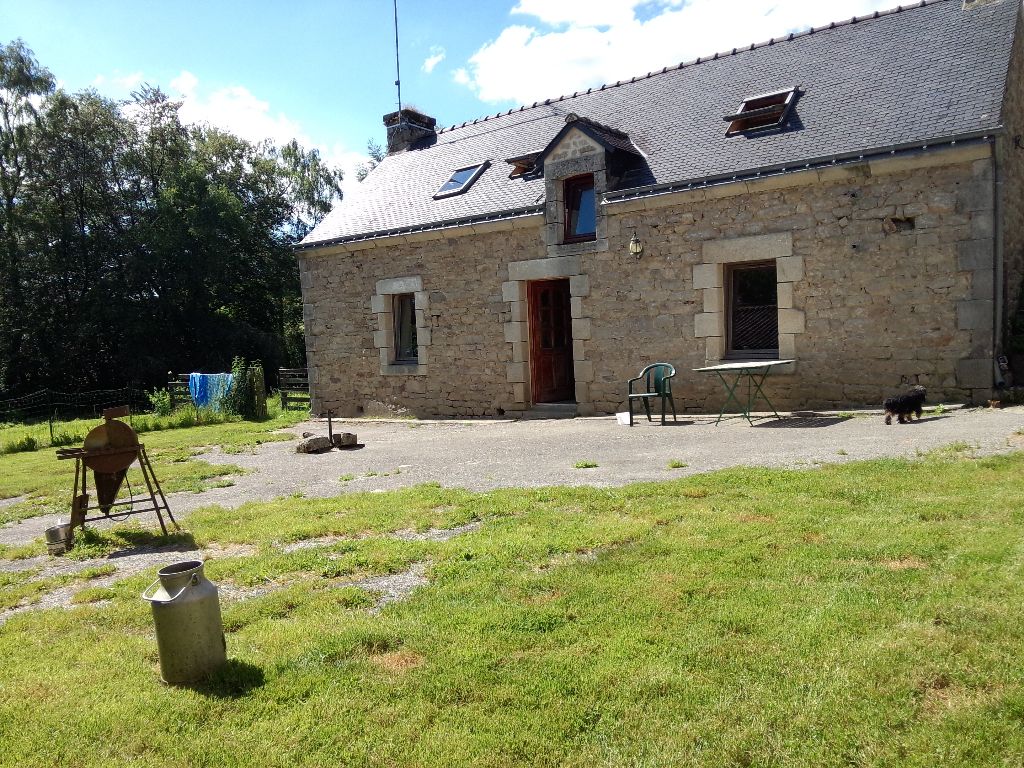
(59, 539)
(189, 632)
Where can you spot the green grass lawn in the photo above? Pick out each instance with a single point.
(48, 482)
(864, 614)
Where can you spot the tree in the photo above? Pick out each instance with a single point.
(132, 244)
(377, 155)
(311, 187)
(23, 84)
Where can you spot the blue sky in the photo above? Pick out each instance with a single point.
(323, 72)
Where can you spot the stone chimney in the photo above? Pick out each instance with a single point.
(406, 127)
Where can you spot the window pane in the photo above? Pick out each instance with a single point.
(580, 208)
(754, 310)
(458, 181)
(585, 213)
(406, 348)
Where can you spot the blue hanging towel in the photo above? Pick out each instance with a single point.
(208, 389)
(218, 385)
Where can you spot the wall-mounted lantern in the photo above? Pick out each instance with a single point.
(635, 246)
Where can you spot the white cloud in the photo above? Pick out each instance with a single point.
(437, 54)
(233, 108)
(578, 44)
(129, 82)
(595, 13)
(119, 83)
(185, 84)
(237, 110)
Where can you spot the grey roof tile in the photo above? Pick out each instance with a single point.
(924, 73)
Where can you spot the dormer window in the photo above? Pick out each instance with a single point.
(769, 110)
(461, 180)
(522, 165)
(580, 209)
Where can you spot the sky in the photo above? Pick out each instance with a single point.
(323, 72)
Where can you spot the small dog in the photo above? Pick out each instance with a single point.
(902, 406)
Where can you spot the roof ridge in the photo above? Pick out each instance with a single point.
(701, 60)
(595, 124)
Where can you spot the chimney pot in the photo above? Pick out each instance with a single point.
(406, 127)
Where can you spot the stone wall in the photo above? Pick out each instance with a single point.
(894, 282)
(889, 284)
(463, 367)
(1010, 152)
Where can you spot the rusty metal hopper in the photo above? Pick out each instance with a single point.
(110, 449)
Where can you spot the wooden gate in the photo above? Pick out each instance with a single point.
(294, 384)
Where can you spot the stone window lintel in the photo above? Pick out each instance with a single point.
(709, 278)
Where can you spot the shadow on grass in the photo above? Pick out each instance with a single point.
(117, 543)
(232, 681)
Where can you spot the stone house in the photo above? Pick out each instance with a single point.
(851, 198)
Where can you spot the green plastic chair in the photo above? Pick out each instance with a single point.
(657, 382)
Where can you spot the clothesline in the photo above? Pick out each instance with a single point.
(209, 389)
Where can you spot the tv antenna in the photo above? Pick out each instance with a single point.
(398, 69)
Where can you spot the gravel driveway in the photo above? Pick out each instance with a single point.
(483, 455)
(486, 455)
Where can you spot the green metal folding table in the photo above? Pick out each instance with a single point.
(755, 372)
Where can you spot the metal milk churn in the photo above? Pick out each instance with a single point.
(189, 633)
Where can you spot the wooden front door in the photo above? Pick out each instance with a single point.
(551, 342)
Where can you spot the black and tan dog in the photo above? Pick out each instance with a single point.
(905, 405)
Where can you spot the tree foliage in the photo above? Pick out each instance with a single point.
(376, 153)
(132, 244)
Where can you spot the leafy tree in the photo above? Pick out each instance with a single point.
(376, 153)
(132, 244)
(23, 84)
(312, 187)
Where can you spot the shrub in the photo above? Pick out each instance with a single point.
(21, 445)
(248, 395)
(65, 438)
(160, 400)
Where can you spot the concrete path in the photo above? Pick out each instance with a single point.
(486, 455)
(483, 455)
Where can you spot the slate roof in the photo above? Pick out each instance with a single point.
(907, 77)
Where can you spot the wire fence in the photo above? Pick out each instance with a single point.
(53, 406)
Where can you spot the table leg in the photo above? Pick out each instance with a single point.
(730, 394)
(757, 388)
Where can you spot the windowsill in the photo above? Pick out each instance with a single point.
(741, 357)
(403, 369)
(584, 246)
(581, 239)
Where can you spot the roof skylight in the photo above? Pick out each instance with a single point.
(769, 110)
(461, 180)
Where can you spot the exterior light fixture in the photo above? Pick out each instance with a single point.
(635, 246)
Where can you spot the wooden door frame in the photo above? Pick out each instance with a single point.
(532, 339)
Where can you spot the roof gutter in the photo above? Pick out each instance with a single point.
(766, 171)
(653, 190)
(510, 213)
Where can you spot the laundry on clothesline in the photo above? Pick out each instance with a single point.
(208, 389)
